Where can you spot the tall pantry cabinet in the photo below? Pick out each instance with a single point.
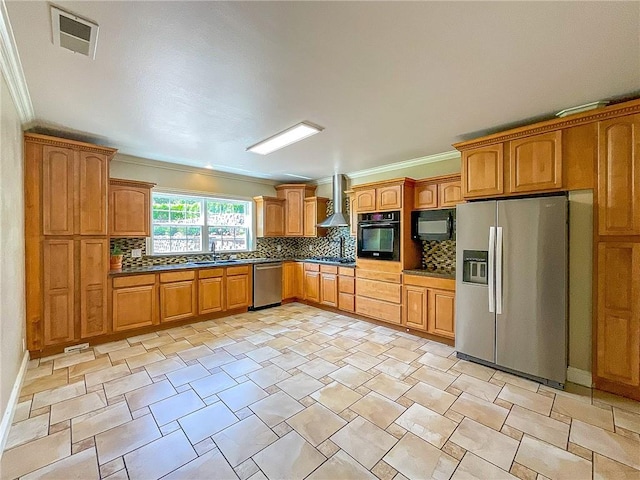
(66, 240)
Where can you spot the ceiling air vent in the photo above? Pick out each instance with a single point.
(74, 33)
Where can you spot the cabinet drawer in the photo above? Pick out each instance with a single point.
(387, 312)
(312, 267)
(347, 285)
(211, 273)
(382, 276)
(347, 271)
(346, 302)
(390, 292)
(134, 281)
(177, 276)
(329, 269)
(243, 270)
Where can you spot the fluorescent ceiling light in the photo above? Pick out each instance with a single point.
(287, 137)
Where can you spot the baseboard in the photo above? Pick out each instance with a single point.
(581, 377)
(7, 417)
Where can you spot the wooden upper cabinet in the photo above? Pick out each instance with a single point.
(619, 176)
(94, 268)
(129, 208)
(535, 163)
(425, 196)
(315, 211)
(618, 326)
(94, 178)
(59, 291)
(415, 307)
(269, 216)
(441, 313)
(58, 188)
(483, 171)
(389, 198)
(294, 196)
(366, 200)
(449, 193)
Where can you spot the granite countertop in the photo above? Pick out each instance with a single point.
(429, 273)
(196, 266)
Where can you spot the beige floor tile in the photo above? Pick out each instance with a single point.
(39, 371)
(486, 443)
(22, 411)
(431, 397)
(187, 374)
(35, 455)
(145, 359)
(158, 341)
(350, 376)
(336, 396)
(73, 359)
(159, 457)
(362, 361)
(291, 457)
(201, 468)
(387, 386)
(216, 359)
(276, 408)
(88, 367)
(207, 421)
(484, 390)
(260, 337)
(426, 424)
(244, 439)
(605, 469)
(288, 360)
(59, 394)
(111, 346)
(341, 466)
(622, 449)
(300, 385)
(219, 342)
(305, 348)
(76, 406)
(240, 347)
(436, 378)
(402, 354)
(626, 420)
(416, 459)
(616, 401)
(82, 466)
(145, 396)
(57, 379)
(580, 410)
(127, 437)
(364, 441)
(332, 354)
(90, 424)
(142, 338)
(28, 431)
(395, 368)
(213, 384)
(280, 343)
(195, 353)
(316, 423)
(318, 368)
(551, 461)
(106, 375)
(262, 354)
(473, 467)
(175, 347)
(533, 401)
(241, 367)
(378, 409)
(126, 384)
(517, 381)
(539, 426)
(242, 395)
(125, 353)
(372, 348)
(436, 361)
(479, 371)
(481, 411)
(177, 406)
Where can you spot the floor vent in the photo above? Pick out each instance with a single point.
(74, 33)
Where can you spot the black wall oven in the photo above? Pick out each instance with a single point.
(379, 236)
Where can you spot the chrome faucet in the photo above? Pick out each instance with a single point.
(212, 248)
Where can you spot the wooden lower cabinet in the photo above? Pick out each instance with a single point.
(329, 289)
(312, 286)
(210, 295)
(177, 300)
(378, 309)
(429, 305)
(94, 265)
(134, 307)
(415, 307)
(289, 279)
(441, 313)
(237, 289)
(59, 292)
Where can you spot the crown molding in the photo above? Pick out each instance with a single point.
(12, 69)
(176, 167)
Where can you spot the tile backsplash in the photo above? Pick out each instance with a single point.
(439, 256)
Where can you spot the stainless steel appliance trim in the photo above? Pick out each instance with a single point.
(492, 270)
(267, 285)
(498, 270)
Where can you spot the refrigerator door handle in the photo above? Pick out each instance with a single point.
(492, 261)
(499, 238)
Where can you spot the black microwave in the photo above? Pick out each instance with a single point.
(433, 224)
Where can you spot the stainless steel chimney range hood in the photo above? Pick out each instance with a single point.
(338, 218)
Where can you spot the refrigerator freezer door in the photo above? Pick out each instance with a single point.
(475, 324)
(531, 331)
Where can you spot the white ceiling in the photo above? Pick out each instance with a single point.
(196, 83)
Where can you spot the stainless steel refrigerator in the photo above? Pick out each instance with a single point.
(511, 286)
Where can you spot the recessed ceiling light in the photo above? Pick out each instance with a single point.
(287, 137)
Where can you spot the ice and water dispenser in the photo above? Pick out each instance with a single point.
(475, 266)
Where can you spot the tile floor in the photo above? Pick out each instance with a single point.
(296, 392)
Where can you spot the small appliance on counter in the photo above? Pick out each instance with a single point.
(433, 224)
(379, 236)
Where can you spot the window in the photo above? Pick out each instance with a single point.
(189, 224)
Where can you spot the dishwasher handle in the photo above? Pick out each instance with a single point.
(267, 267)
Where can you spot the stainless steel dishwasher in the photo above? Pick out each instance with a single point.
(267, 284)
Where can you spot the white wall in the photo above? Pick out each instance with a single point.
(12, 294)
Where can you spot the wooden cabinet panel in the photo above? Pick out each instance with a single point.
(441, 313)
(315, 211)
(346, 284)
(390, 292)
(425, 196)
(353, 215)
(129, 211)
(329, 289)
(182, 276)
(619, 176)
(134, 280)
(366, 200)
(312, 286)
(389, 198)
(483, 171)
(378, 309)
(288, 280)
(134, 307)
(177, 301)
(346, 302)
(58, 270)
(299, 280)
(294, 212)
(94, 173)
(237, 287)
(58, 187)
(210, 295)
(415, 307)
(618, 321)
(94, 268)
(269, 216)
(449, 194)
(535, 163)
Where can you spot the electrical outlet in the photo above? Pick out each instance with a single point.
(136, 253)
(311, 248)
(279, 248)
